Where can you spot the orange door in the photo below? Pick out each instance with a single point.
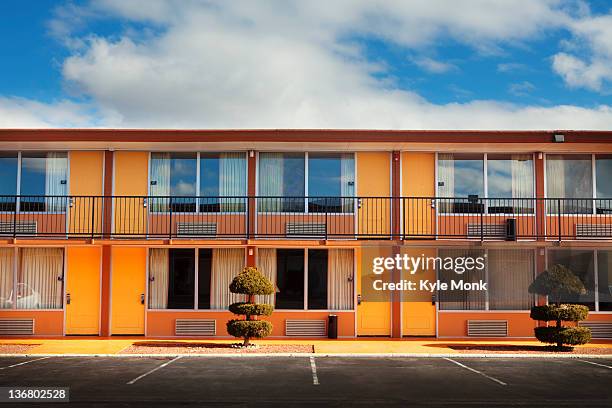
(128, 289)
(418, 309)
(83, 290)
(374, 309)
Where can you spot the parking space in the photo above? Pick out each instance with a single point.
(291, 381)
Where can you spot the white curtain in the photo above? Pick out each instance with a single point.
(226, 264)
(56, 164)
(160, 181)
(266, 262)
(6, 277)
(270, 181)
(555, 181)
(510, 272)
(340, 277)
(522, 181)
(159, 270)
(347, 180)
(40, 278)
(232, 181)
(446, 177)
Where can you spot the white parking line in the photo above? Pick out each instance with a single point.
(313, 368)
(597, 364)
(476, 371)
(25, 362)
(167, 363)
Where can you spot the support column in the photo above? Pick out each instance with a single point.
(396, 299)
(105, 284)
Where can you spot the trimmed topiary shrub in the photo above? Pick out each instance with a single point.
(250, 282)
(557, 283)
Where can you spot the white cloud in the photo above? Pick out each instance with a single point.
(282, 64)
(521, 88)
(511, 67)
(433, 66)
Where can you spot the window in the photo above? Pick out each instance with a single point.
(39, 278)
(582, 264)
(8, 175)
(174, 182)
(508, 273)
(290, 278)
(604, 275)
(509, 187)
(603, 171)
(569, 177)
(283, 185)
(329, 277)
(175, 273)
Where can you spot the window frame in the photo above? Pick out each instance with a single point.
(18, 210)
(485, 179)
(306, 184)
(198, 176)
(196, 281)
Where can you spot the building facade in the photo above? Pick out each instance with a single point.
(139, 232)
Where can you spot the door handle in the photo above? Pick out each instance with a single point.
(433, 299)
(142, 298)
(358, 299)
(67, 298)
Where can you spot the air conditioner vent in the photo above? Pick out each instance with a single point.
(305, 328)
(599, 330)
(590, 231)
(195, 327)
(487, 328)
(21, 227)
(305, 229)
(196, 229)
(488, 230)
(21, 327)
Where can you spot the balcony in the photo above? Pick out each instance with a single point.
(320, 218)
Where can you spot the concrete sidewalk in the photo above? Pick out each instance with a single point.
(421, 346)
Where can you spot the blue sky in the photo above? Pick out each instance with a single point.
(272, 64)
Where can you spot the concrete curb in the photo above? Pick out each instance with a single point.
(323, 355)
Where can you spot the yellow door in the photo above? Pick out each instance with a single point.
(418, 309)
(128, 289)
(83, 290)
(374, 309)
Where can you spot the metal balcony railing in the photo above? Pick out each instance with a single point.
(268, 217)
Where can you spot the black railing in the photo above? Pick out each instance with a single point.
(141, 217)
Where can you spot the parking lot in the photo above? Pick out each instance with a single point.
(315, 381)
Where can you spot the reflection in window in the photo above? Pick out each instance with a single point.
(603, 172)
(8, 180)
(461, 182)
(569, 177)
(281, 182)
(331, 176)
(510, 183)
(173, 180)
(290, 278)
(317, 279)
(44, 174)
(581, 263)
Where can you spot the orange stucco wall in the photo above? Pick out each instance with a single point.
(161, 323)
(454, 324)
(46, 323)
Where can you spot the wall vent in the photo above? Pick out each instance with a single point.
(305, 328)
(195, 327)
(16, 327)
(589, 231)
(305, 229)
(487, 328)
(599, 330)
(488, 230)
(196, 229)
(21, 227)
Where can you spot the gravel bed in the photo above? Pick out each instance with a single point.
(509, 349)
(16, 348)
(208, 348)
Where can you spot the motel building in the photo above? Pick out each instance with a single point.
(140, 232)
